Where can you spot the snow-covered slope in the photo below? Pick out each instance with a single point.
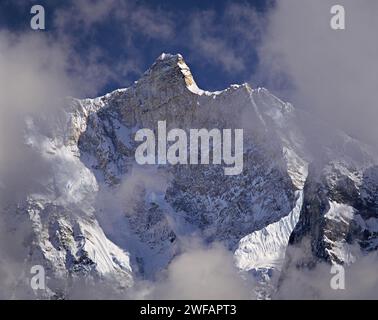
(265, 248)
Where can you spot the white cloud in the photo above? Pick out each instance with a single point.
(361, 279)
(34, 82)
(202, 273)
(333, 73)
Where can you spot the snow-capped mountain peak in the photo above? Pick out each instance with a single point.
(100, 216)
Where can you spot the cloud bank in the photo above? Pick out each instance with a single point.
(330, 73)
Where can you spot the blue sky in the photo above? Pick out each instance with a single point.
(217, 38)
(91, 47)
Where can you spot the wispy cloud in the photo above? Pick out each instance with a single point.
(227, 40)
(332, 74)
(202, 273)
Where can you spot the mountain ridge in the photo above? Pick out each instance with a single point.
(101, 217)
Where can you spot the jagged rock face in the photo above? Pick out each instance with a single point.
(339, 213)
(54, 225)
(197, 198)
(98, 215)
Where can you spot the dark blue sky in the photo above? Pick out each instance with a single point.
(216, 38)
(285, 46)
